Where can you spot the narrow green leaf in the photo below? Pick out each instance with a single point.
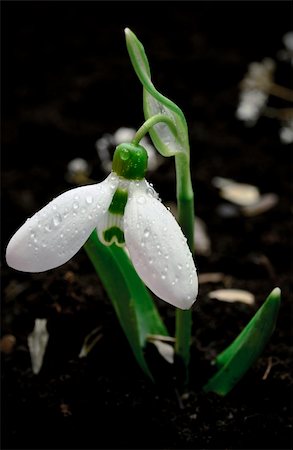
(236, 359)
(154, 103)
(149, 320)
(132, 302)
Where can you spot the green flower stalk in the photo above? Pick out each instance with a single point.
(171, 139)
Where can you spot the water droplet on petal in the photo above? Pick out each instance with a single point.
(141, 200)
(48, 227)
(44, 245)
(179, 266)
(89, 199)
(163, 276)
(57, 219)
(54, 207)
(75, 205)
(150, 261)
(142, 244)
(146, 233)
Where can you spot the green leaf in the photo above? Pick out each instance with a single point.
(236, 359)
(132, 302)
(166, 142)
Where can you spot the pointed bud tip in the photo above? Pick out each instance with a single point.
(276, 292)
(127, 31)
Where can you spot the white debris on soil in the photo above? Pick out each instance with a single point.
(37, 343)
(232, 295)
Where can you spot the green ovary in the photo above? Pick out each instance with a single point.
(130, 161)
(114, 234)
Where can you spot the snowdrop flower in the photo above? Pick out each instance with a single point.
(125, 210)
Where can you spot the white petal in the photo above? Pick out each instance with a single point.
(54, 234)
(158, 248)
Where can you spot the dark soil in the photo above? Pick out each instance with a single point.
(67, 80)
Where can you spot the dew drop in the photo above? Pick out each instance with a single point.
(173, 283)
(125, 154)
(75, 205)
(89, 199)
(165, 269)
(163, 276)
(151, 192)
(57, 219)
(36, 249)
(29, 245)
(61, 235)
(54, 207)
(150, 261)
(179, 266)
(90, 217)
(146, 233)
(33, 234)
(187, 266)
(141, 200)
(142, 244)
(48, 228)
(44, 245)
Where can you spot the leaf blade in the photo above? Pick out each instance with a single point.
(238, 357)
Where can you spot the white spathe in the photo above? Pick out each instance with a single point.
(156, 244)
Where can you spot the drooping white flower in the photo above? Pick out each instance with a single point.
(125, 210)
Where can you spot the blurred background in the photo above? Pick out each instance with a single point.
(67, 87)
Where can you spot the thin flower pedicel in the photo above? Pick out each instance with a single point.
(124, 209)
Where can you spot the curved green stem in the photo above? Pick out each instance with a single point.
(148, 124)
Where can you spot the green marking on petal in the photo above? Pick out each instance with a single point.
(114, 234)
(118, 202)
